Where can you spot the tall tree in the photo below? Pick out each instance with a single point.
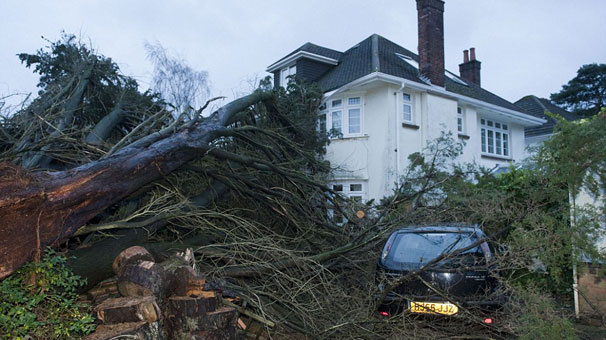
(178, 83)
(585, 94)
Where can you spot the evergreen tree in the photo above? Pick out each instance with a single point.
(585, 94)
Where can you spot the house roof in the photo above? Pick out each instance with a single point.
(378, 54)
(538, 107)
(314, 49)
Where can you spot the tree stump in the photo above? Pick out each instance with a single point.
(128, 310)
(191, 315)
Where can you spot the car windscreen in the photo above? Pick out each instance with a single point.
(415, 249)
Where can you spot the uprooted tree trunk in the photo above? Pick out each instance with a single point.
(45, 208)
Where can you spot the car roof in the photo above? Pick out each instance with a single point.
(448, 228)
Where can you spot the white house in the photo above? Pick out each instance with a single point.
(383, 102)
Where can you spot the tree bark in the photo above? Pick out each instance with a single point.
(104, 127)
(68, 109)
(45, 208)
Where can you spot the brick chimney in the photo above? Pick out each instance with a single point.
(470, 68)
(431, 40)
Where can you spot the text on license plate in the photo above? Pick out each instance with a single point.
(434, 308)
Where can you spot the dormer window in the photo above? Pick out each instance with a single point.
(285, 73)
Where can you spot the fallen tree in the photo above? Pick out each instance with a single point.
(245, 189)
(45, 208)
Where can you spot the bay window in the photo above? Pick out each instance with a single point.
(495, 138)
(342, 117)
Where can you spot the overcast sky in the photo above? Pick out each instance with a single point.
(526, 46)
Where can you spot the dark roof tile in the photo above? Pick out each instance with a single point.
(357, 62)
(538, 107)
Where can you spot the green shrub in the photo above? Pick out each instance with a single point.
(40, 301)
(540, 319)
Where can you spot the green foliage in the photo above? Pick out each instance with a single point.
(39, 300)
(540, 319)
(585, 94)
(78, 88)
(576, 154)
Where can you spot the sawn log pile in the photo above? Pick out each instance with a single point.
(166, 300)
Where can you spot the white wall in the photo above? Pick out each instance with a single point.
(373, 158)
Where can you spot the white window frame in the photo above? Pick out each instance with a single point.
(348, 193)
(343, 106)
(495, 138)
(409, 104)
(285, 72)
(460, 120)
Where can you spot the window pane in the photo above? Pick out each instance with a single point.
(337, 102)
(355, 187)
(336, 121)
(483, 140)
(337, 187)
(353, 101)
(407, 113)
(322, 124)
(354, 121)
(498, 138)
(489, 122)
(505, 145)
(504, 126)
(482, 121)
(283, 75)
(497, 125)
(460, 124)
(490, 141)
(459, 111)
(406, 97)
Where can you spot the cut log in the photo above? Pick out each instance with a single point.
(103, 291)
(145, 278)
(128, 309)
(160, 279)
(131, 255)
(134, 330)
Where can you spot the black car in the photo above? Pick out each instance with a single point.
(437, 270)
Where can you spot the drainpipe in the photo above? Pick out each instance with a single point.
(575, 278)
(397, 149)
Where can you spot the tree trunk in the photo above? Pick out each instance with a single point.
(45, 208)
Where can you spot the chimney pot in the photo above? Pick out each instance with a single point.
(470, 68)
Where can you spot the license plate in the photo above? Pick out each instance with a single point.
(443, 308)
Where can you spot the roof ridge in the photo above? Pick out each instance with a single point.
(375, 64)
(536, 99)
